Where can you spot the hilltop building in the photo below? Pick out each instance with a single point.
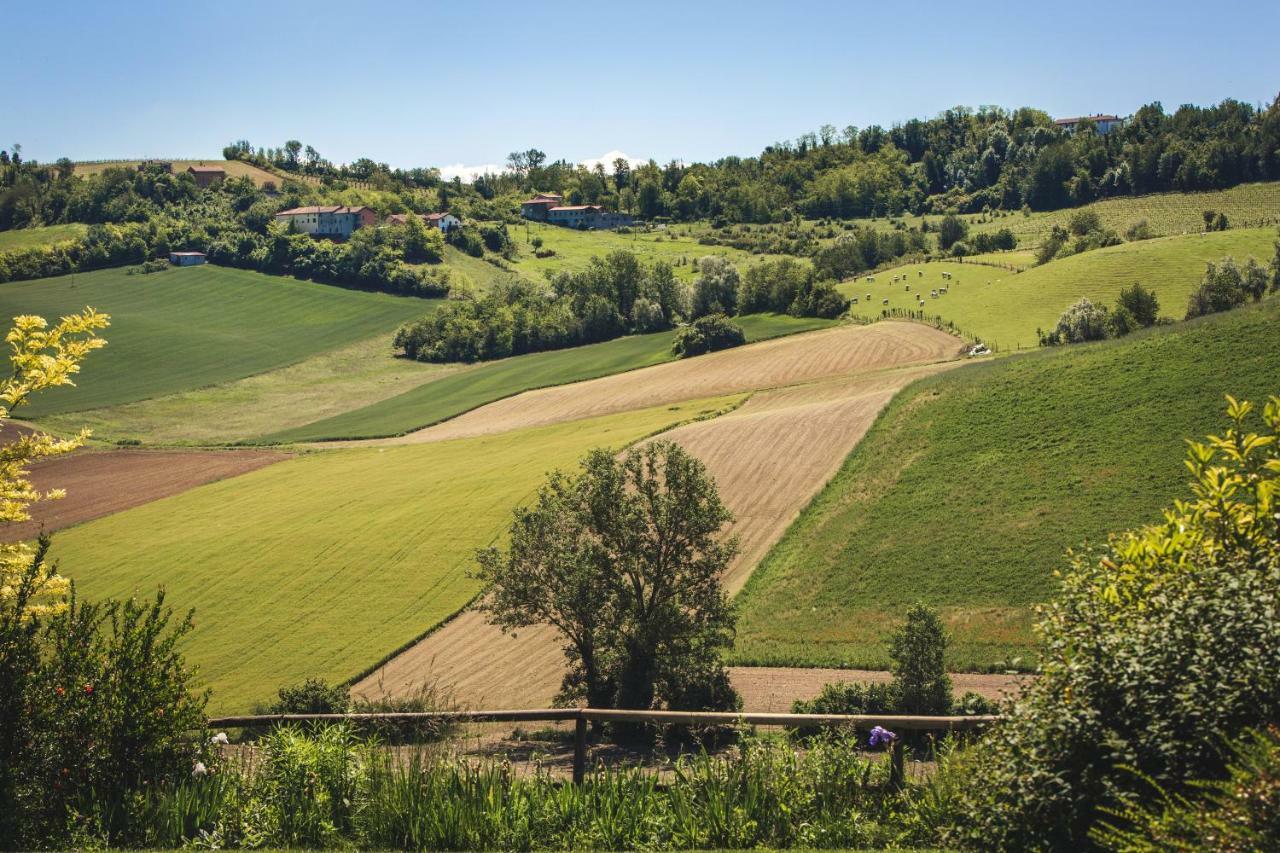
(446, 222)
(334, 221)
(207, 175)
(186, 259)
(549, 208)
(1103, 124)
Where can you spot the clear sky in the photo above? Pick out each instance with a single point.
(435, 83)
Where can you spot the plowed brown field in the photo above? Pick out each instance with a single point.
(769, 457)
(101, 482)
(782, 361)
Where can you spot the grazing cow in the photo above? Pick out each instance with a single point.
(885, 302)
(868, 297)
(854, 300)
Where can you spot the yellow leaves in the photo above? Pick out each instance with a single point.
(41, 358)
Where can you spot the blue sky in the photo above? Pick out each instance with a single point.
(449, 83)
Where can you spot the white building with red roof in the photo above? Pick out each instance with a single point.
(335, 221)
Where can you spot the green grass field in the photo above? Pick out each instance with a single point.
(574, 249)
(187, 328)
(973, 483)
(1005, 308)
(321, 565)
(452, 395)
(25, 238)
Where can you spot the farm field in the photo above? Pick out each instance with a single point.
(574, 249)
(1005, 309)
(320, 565)
(234, 168)
(99, 483)
(241, 410)
(25, 238)
(474, 272)
(485, 383)
(791, 438)
(970, 487)
(781, 361)
(186, 328)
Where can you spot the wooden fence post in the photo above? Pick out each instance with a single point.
(897, 768)
(579, 749)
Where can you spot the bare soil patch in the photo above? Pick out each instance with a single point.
(102, 482)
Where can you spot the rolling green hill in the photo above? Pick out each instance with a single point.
(972, 484)
(321, 565)
(25, 238)
(186, 328)
(1005, 308)
(452, 395)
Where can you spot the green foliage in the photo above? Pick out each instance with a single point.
(920, 678)
(1235, 814)
(1156, 646)
(313, 696)
(1082, 322)
(623, 562)
(786, 286)
(1003, 240)
(951, 230)
(715, 290)
(1227, 285)
(1140, 304)
(864, 249)
(707, 334)
(1140, 230)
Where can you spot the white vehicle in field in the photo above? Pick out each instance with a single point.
(979, 349)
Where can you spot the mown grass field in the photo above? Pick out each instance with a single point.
(321, 565)
(319, 386)
(1005, 309)
(25, 238)
(574, 249)
(186, 328)
(449, 396)
(972, 484)
(234, 168)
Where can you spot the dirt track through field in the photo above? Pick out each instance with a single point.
(782, 361)
(102, 482)
(769, 457)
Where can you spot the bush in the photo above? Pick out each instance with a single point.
(1140, 230)
(1082, 322)
(1083, 221)
(1225, 286)
(707, 334)
(920, 677)
(313, 696)
(1155, 648)
(999, 241)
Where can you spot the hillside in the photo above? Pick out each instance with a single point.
(26, 238)
(1005, 309)
(973, 483)
(186, 328)
(234, 168)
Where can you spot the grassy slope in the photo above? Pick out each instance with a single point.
(1007, 308)
(451, 396)
(968, 490)
(234, 168)
(474, 272)
(321, 565)
(574, 249)
(320, 386)
(25, 238)
(186, 328)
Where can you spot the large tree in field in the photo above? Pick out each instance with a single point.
(624, 560)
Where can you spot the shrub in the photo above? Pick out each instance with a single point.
(1083, 221)
(1083, 321)
(960, 249)
(1140, 230)
(998, 241)
(1141, 303)
(1225, 286)
(920, 677)
(313, 696)
(707, 334)
(1155, 648)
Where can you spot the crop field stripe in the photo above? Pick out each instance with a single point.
(452, 396)
(319, 565)
(188, 328)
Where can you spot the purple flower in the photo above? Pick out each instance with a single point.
(881, 736)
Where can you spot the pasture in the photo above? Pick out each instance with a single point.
(973, 483)
(234, 168)
(451, 396)
(186, 328)
(1005, 308)
(45, 235)
(323, 564)
(574, 249)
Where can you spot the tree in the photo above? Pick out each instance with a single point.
(623, 561)
(1082, 322)
(292, 150)
(1140, 303)
(707, 334)
(715, 290)
(919, 672)
(951, 230)
(1227, 285)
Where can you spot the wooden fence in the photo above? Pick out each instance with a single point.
(580, 717)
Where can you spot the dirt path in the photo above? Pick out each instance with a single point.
(102, 482)
(783, 361)
(768, 458)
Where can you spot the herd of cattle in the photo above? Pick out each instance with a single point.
(904, 277)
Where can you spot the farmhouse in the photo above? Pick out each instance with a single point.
(446, 222)
(327, 220)
(548, 208)
(207, 175)
(1103, 124)
(186, 259)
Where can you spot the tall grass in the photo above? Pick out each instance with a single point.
(326, 788)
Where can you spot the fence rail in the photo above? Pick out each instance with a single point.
(582, 716)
